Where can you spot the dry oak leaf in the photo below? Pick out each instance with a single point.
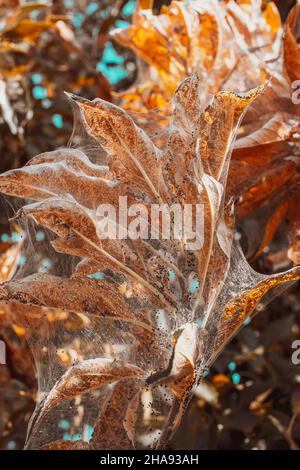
(115, 427)
(190, 169)
(65, 445)
(84, 377)
(196, 35)
(291, 50)
(18, 27)
(145, 171)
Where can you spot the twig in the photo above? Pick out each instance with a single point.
(286, 432)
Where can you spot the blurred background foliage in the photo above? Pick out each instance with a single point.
(250, 399)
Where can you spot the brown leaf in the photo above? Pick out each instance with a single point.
(188, 36)
(261, 190)
(294, 223)
(181, 372)
(291, 51)
(65, 445)
(258, 147)
(132, 155)
(85, 376)
(272, 17)
(160, 286)
(112, 430)
(242, 306)
(9, 262)
(56, 173)
(80, 295)
(272, 225)
(20, 13)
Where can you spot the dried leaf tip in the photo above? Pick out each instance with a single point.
(77, 98)
(247, 97)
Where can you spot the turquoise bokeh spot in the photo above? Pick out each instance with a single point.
(64, 424)
(92, 7)
(110, 65)
(88, 433)
(36, 78)
(46, 103)
(11, 445)
(110, 55)
(247, 321)
(98, 275)
(78, 19)
(68, 437)
(128, 8)
(57, 120)
(113, 74)
(69, 3)
(194, 285)
(34, 14)
(236, 378)
(39, 92)
(22, 260)
(172, 274)
(5, 237)
(122, 24)
(46, 264)
(40, 236)
(17, 236)
(232, 366)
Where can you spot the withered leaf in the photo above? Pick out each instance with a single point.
(241, 307)
(79, 295)
(54, 173)
(85, 376)
(272, 225)
(260, 190)
(20, 13)
(65, 445)
(258, 147)
(113, 429)
(181, 373)
(190, 168)
(186, 36)
(290, 45)
(294, 223)
(131, 154)
(9, 262)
